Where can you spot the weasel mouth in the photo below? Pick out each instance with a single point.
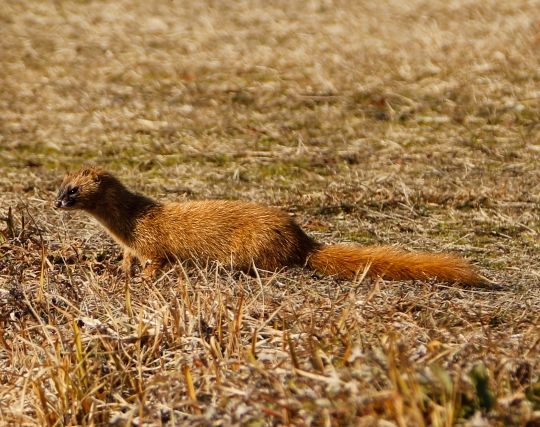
(64, 204)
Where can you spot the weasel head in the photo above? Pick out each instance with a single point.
(81, 190)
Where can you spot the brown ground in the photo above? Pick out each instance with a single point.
(409, 123)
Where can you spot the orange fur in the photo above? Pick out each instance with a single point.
(240, 234)
(349, 261)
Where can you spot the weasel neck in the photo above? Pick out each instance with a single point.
(120, 210)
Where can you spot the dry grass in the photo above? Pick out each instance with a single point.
(409, 123)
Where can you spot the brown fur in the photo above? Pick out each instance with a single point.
(240, 234)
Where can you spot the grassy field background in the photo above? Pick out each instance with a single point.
(413, 124)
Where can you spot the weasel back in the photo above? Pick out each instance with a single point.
(235, 233)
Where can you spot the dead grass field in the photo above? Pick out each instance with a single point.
(412, 123)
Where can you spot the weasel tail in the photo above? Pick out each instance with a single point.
(348, 262)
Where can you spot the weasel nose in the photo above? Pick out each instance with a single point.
(57, 203)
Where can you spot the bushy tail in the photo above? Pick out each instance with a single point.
(348, 262)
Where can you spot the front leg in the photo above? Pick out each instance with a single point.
(127, 262)
(151, 266)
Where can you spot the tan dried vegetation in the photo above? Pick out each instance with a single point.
(409, 123)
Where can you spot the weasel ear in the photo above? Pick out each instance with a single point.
(92, 172)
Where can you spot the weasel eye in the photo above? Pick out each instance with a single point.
(73, 191)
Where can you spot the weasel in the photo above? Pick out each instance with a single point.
(241, 234)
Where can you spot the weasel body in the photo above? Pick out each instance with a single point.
(240, 234)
